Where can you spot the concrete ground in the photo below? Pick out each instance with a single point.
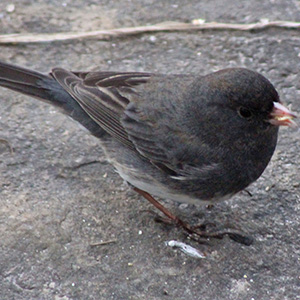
(60, 200)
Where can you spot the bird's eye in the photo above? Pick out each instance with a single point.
(245, 113)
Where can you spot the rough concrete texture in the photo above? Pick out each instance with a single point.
(60, 199)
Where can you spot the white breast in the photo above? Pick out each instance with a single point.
(155, 188)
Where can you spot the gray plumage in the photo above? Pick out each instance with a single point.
(189, 138)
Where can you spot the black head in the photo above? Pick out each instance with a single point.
(248, 95)
(236, 105)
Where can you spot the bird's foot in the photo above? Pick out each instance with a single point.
(199, 231)
(235, 235)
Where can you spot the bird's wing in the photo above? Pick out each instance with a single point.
(116, 103)
(100, 96)
(170, 147)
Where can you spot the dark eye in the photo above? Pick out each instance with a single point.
(245, 113)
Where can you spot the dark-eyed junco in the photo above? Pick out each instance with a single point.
(189, 138)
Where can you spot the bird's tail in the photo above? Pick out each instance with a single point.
(46, 88)
(31, 83)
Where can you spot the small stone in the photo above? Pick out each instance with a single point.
(10, 8)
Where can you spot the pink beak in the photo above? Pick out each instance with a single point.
(281, 116)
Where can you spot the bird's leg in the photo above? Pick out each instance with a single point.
(167, 213)
(194, 230)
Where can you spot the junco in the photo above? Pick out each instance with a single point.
(189, 138)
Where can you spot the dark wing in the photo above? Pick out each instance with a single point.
(139, 116)
(100, 96)
(167, 145)
(105, 97)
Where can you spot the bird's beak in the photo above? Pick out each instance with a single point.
(281, 116)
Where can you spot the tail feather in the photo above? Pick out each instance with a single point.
(29, 82)
(46, 88)
(18, 74)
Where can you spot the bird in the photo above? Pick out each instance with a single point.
(191, 138)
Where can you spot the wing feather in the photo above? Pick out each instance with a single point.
(102, 96)
(99, 94)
